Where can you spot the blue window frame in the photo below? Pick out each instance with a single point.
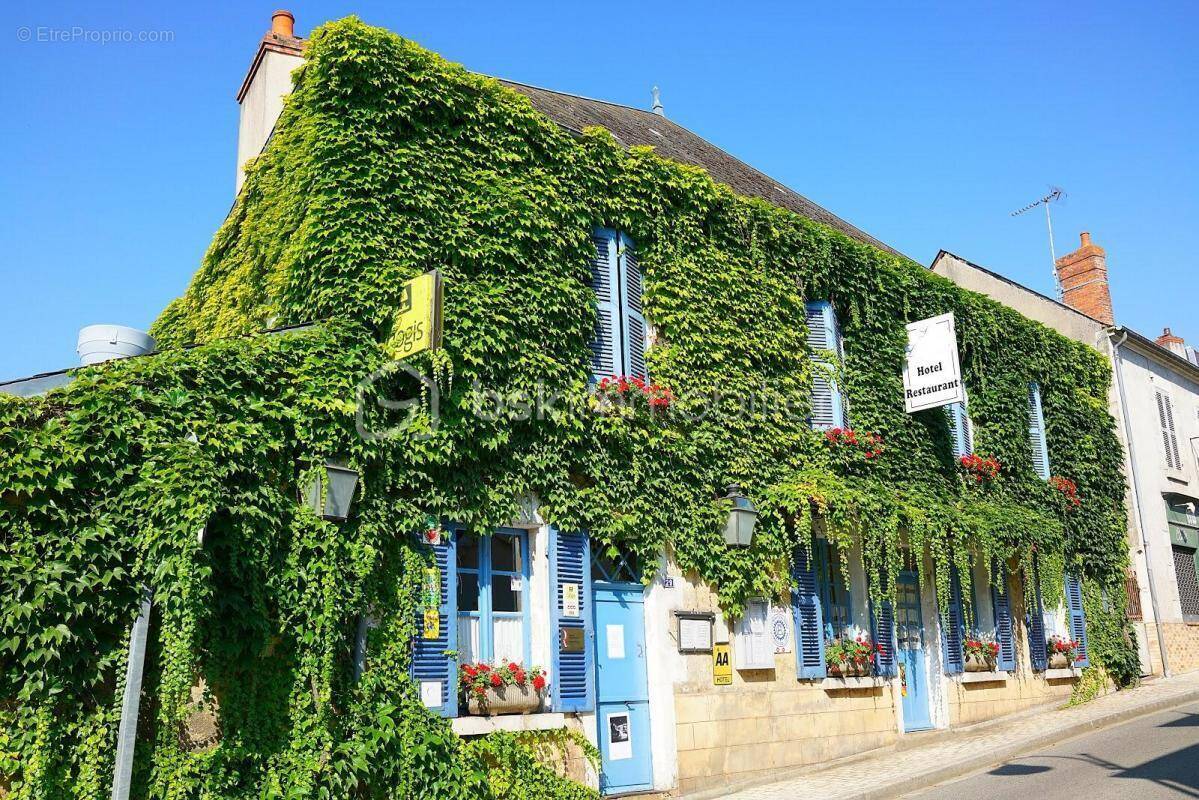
(833, 585)
(493, 596)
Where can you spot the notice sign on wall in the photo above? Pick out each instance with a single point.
(570, 599)
(932, 376)
(722, 665)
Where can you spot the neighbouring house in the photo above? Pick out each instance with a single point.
(1154, 398)
(671, 461)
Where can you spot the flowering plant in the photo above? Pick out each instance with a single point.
(622, 389)
(979, 468)
(477, 678)
(982, 645)
(854, 647)
(1068, 488)
(433, 536)
(870, 444)
(1060, 645)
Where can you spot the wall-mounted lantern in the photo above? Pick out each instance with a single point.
(743, 516)
(339, 495)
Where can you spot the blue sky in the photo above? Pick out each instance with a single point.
(923, 124)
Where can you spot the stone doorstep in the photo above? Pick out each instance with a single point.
(950, 771)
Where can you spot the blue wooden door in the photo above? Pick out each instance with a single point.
(622, 689)
(913, 658)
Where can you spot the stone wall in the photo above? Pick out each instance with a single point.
(769, 721)
(1182, 646)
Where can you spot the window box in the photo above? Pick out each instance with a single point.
(849, 669)
(975, 663)
(504, 700)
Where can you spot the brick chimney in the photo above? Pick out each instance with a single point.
(269, 80)
(1173, 343)
(1083, 278)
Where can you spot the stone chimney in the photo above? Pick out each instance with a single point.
(1173, 343)
(1083, 278)
(262, 92)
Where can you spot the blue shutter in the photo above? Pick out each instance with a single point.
(606, 353)
(809, 625)
(1078, 620)
(1038, 652)
(1000, 601)
(953, 626)
(961, 429)
(573, 687)
(632, 318)
(882, 624)
(828, 403)
(429, 659)
(1036, 432)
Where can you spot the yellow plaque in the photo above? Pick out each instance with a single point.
(432, 624)
(722, 665)
(417, 325)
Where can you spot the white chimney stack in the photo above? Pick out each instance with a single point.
(262, 92)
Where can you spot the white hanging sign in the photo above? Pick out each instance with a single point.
(932, 374)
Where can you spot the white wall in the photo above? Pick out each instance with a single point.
(261, 106)
(1142, 376)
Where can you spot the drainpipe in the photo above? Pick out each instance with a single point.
(127, 732)
(1136, 497)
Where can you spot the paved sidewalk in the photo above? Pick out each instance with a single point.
(895, 771)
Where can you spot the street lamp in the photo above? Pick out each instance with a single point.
(743, 516)
(340, 493)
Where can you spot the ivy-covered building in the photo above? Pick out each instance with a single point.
(639, 335)
(1155, 399)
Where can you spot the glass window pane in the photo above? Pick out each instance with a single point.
(508, 633)
(503, 598)
(468, 639)
(468, 592)
(505, 553)
(468, 551)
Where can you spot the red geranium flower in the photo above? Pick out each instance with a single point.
(539, 683)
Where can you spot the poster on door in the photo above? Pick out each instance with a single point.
(620, 736)
(780, 629)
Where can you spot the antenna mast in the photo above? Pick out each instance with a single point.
(1055, 194)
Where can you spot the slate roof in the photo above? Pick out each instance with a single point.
(635, 126)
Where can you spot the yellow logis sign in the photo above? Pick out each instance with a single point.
(722, 665)
(417, 324)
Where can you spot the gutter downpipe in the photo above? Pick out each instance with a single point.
(1136, 495)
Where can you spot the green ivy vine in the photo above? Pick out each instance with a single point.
(389, 161)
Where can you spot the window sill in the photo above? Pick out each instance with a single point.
(1067, 674)
(984, 677)
(480, 726)
(871, 682)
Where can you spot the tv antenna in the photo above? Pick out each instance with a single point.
(1055, 194)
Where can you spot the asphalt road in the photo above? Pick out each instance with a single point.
(1150, 758)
